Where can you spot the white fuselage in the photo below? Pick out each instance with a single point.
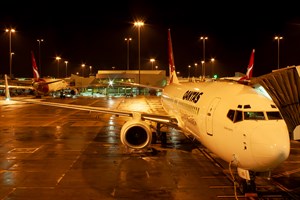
(202, 109)
(46, 86)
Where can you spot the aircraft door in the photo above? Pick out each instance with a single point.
(209, 115)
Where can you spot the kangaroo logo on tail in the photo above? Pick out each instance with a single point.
(173, 76)
(248, 75)
(36, 74)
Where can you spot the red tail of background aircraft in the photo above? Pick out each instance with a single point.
(36, 74)
(248, 74)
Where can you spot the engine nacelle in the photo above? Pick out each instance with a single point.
(136, 134)
(73, 91)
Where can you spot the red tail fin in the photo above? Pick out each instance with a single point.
(36, 74)
(248, 75)
(173, 76)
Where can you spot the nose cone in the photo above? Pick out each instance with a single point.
(270, 148)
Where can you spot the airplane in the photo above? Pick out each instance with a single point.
(43, 86)
(247, 77)
(234, 121)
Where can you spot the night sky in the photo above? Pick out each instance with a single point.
(93, 33)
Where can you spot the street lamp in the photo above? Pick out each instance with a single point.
(66, 62)
(91, 70)
(139, 24)
(152, 60)
(278, 38)
(196, 64)
(40, 65)
(10, 55)
(127, 41)
(189, 71)
(203, 38)
(203, 69)
(58, 59)
(212, 60)
(83, 66)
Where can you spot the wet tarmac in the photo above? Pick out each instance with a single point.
(55, 153)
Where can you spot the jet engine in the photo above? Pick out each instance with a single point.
(73, 91)
(136, 134)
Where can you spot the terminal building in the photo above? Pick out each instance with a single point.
(117, 82)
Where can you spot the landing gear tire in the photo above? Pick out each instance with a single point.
(154, 138)
(163, 138)
(246, 186)
(161, 135)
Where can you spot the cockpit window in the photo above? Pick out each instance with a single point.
(230, 114)
(273, 106)
(239, 116)
(247, 106)
(274, 115)
(254, 116)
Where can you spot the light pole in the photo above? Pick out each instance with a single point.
(83, 66)
(203, 69)
(10, 55)
(189, 71)
(66, 62)
(127, 41)
(152, 60)
(11, 58)
(58, 59)
(40, 65)
(278, 38)
(91, 70)
(212, 60)
(139, 24)
(196, 64)
(203, 38)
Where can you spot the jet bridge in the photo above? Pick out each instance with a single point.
(283, 85)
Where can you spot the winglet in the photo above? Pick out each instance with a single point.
(7, 94)
(36, 74)
(248, 75)
(173, 76)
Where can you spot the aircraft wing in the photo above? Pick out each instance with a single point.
(17, 86)
(164, 119)
(49, 82)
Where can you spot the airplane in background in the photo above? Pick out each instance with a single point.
(43, 86)
(247, 77)
(232, 120)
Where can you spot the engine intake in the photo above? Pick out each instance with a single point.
(136, 134)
